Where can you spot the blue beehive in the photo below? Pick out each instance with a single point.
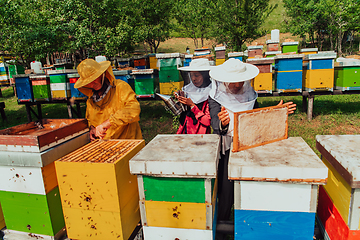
(288, 73)
(188, 58)
(125, 76)
(73, 77)
(236, 55)
(23, 87)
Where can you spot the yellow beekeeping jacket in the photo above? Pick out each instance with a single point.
(119, 105)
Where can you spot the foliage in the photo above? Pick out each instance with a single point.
(238, 21)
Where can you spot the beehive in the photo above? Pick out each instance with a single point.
(141, 62)
(288, 47)
(187, 60)
(59, 85)
(177, 180)
(339, 205)
(275, 190)
(220, 52)
(3, 74)
(319, 71)
(75, 93)
(236, 55)
(347, 75)
(41, 87)
(123, 62)
(309, 51)
(288, 73)
(29, 191)
(169, 88)
(272, 45)
(263, 81)
(153, 61)
(255, 51)
(144, 82)
(202, 51)
(98, 194)
(219, 61)
(23, 88)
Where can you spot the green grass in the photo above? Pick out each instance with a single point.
(276, 18)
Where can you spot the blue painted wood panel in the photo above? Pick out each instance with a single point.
(24, 89)
(271, 225)
(288, 80)
(321, 64)
(75, 92)
(288, 64)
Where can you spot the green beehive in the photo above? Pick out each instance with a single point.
(169, 74)
(41, 87)
(347, 75)
(290, 47)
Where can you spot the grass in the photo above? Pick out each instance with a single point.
(333, 115)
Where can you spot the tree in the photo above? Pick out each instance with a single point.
(195, 18)
(151, 21)
(238, 21)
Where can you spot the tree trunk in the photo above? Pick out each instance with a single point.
(339, 41)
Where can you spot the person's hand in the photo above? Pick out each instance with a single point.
(291, 106)
(100, 131)
(92, 133)
(224, 117)
(186, 101)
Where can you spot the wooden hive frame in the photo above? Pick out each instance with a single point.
(261, 130)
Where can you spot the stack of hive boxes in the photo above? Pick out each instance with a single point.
(255, 51)
(339, 200)
(141, 62)
(169, 76)
(144, 82)
(177, 190)
(220, 55)
(75, 93)
(59, 84)
(3, 74)
(347, 74)
(319, 71)
(123, 62)
(275, 190)
(98, 194)
(204, 53)
(262, 83)
(41, 87)
(23, 88)
(288, 73)
(29, 192)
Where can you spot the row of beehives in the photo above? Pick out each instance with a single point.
(306, 72)
(92, 194)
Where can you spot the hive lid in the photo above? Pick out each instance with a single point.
(347, 62)
(22, 75)
(40, 75)
(189, 55)
(287, 56)
(179, 155)
(142, 71)
(272, 52)
(308, 50)
(289, 43)
(121, 72)
(272, 41)
(255, 47)
(260, 60)
(140, 56)
(342, 153)
(321, 55)
(288, 160)
(104, 151)
(170, 55)
(40, 135)
(73, 75)
(220, 48)
(235, 54)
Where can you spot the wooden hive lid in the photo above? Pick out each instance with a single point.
(179, 155)
(321, 55)
(342, 153)
(40, 135)
(102, 151)
(288, 160)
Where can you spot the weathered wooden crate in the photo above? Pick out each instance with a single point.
(276, 190)
(319, 71)
(98, 194)
(288, 73)
(339, 200)
(260, 126)
(177, 180)
(347, 75)
(41, 87)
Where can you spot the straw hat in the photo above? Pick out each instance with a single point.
(199, 64)
(89, 70)
(234, 70)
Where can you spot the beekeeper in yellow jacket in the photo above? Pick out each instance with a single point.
(111, 109)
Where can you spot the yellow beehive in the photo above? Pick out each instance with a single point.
(153, 62)
(2, 221)
(167, 88)
(98, 194)
(262, 82)
(319, 79)
(219, 61)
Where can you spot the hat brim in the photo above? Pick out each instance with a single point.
(81, 82)
(193, 69)
(219, 74)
